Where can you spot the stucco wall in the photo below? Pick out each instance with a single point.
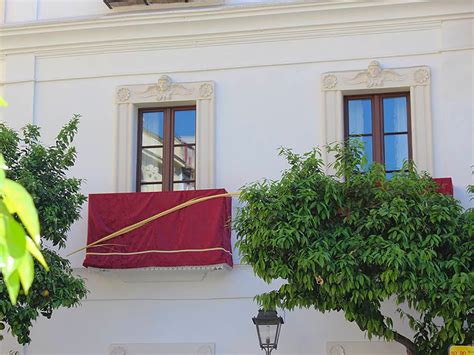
(266, 62)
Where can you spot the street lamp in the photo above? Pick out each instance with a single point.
(268, 329)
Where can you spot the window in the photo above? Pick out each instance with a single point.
(416, 81)
(382, 122)
(166, 149)
(163, 92)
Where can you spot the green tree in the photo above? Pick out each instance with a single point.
(351, 241)
(19, 237)
(42, 171)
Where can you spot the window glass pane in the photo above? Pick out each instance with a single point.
(360, 116)
(151, 188)
(395, 114)
(152, 164)
(152, 128)
(182, 186)
(185, 127)
(367, 141)
(396, 151)
(184, 163)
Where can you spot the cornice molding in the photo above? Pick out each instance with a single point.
(207, 27)
(190, 15)
(203, 40)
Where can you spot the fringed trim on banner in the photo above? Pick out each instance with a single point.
(150, 219)
(163, 251)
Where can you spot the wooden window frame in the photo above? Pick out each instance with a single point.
(378, 134)
(168, 147)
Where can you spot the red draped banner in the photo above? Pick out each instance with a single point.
(445, 185)
(197, 235)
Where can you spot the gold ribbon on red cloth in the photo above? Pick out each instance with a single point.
(186, 228)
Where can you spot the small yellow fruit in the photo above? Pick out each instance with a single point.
(45, 293)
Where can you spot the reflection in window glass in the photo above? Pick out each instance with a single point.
(395, 114)
(167, 149)
(153, 123)
(151, 188)
(367, 142)
(184, 163)
(152, 164)
(360, 116)
(185, 127)
(367, 148)
(396, 151)
(183, 186)
(381, 121)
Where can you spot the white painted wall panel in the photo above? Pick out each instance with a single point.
(18, 11)
(453, 125)
(149, 319)
(56, 9)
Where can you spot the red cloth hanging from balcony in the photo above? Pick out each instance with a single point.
(445, 185)
(195, 236)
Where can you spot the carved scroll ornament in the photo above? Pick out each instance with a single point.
(376, 77)
(165, 89)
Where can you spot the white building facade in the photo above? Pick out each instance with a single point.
(261, 75)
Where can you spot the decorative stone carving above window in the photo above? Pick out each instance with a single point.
(374, 79)
(164, 92)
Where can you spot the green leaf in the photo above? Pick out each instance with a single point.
(15, 238)
(26, 272)
(3, 166)
(13, 285)
(19, 201)
(11, 265)
(3, 218)
(3, 255)
(33, 249)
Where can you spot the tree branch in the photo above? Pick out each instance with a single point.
(407, 343)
